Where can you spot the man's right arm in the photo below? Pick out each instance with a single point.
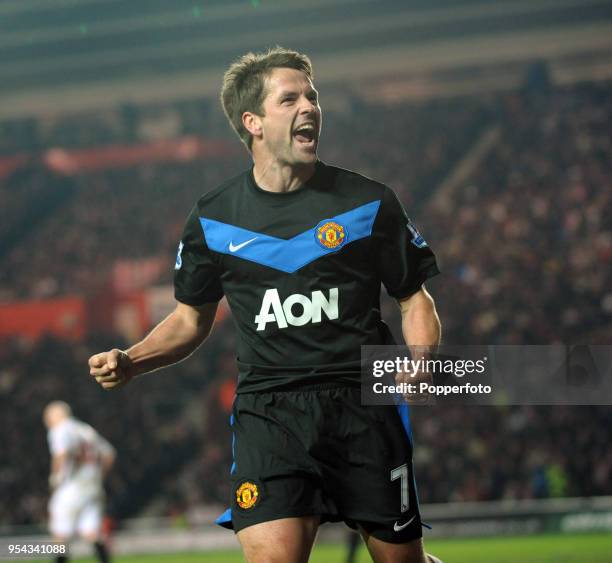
(172, 340)
(56, 476)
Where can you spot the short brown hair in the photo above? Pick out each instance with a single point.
(245, 80)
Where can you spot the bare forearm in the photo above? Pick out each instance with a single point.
(420, 321)
(177, 336)
(172, 340)
(107, 463)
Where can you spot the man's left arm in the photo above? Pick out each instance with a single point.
(420, 321)
(421, 330)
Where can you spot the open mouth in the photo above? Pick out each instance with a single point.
(305, 134)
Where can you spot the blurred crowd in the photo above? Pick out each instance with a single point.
(523, 240)
(122, 125)
(526, 238)
(111, 214)
(472, 453)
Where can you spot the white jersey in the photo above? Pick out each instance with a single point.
(84, 449)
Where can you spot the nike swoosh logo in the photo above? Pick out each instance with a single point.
(239, 246)
(398, 528)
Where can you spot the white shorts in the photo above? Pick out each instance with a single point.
(73, 509)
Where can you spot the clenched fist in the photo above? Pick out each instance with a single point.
(111, 369)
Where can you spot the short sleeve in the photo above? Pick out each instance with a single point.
(405, 260)
(61, 440)
(196, 276)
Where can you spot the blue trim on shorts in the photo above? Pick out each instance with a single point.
(233, 468)
(225, 520)
(404, 412)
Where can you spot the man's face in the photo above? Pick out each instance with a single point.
(291, 124)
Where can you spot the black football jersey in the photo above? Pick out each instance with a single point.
(301, 271)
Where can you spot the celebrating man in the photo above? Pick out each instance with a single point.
(300, 250)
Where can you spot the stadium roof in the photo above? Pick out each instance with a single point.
(68, 53)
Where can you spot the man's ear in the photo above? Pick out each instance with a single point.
(252, 123)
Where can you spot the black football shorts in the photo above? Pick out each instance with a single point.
(318, 451)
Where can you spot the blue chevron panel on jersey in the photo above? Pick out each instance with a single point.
(286, 255)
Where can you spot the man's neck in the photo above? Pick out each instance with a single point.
(274, 177)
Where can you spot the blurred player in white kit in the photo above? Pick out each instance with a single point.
(80, 459)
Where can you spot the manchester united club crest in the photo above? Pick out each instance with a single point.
(247, 495)
(330, 235)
